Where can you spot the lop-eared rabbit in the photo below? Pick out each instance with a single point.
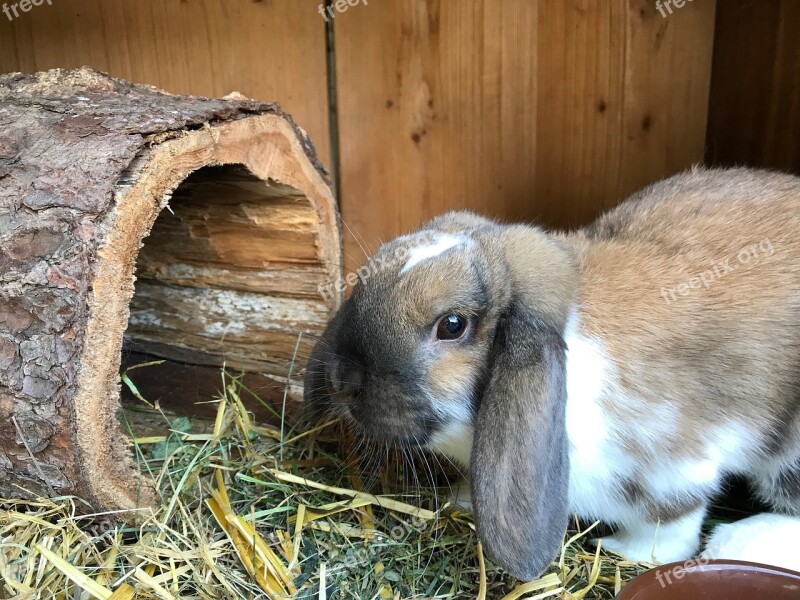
(619, 372)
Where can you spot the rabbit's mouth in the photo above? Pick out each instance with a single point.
(385, 410)
(394, 427)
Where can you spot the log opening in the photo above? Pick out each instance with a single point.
(256, 145)
(230, 274)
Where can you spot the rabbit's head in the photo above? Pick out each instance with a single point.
(457, 331)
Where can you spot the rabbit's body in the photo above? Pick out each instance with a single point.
(668, 392)
(634, 363)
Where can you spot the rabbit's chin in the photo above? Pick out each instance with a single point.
(391, 430)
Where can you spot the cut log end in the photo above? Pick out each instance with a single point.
(217, 245)
(231, 272)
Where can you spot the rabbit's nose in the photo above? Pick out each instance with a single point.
(346, 381)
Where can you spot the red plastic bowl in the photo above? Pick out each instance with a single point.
(714, 580)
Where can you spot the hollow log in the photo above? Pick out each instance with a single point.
(218, 205)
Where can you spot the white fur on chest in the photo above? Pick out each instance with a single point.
(598, 462)
(601, 461)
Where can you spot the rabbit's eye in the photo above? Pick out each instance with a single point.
(451, 327)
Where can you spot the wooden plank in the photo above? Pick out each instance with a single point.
(667, 82)
(441, 120)
(580, 110)
(755, 92)
(548, 111)
(267, 50)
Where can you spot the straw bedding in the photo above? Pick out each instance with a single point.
(254, 511)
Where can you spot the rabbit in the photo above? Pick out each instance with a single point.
(618, 372)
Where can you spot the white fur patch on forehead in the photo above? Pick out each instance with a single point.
(426, 251)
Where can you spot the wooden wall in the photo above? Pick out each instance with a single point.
(543, 110)
(755, 99)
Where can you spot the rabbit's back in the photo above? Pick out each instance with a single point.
(692, 290)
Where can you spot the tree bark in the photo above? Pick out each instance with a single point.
(237, 268)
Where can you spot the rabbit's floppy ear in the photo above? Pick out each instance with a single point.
(520, 466)
(519, 463)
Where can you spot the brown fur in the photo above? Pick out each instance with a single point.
(659, 511)
(726, 351)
